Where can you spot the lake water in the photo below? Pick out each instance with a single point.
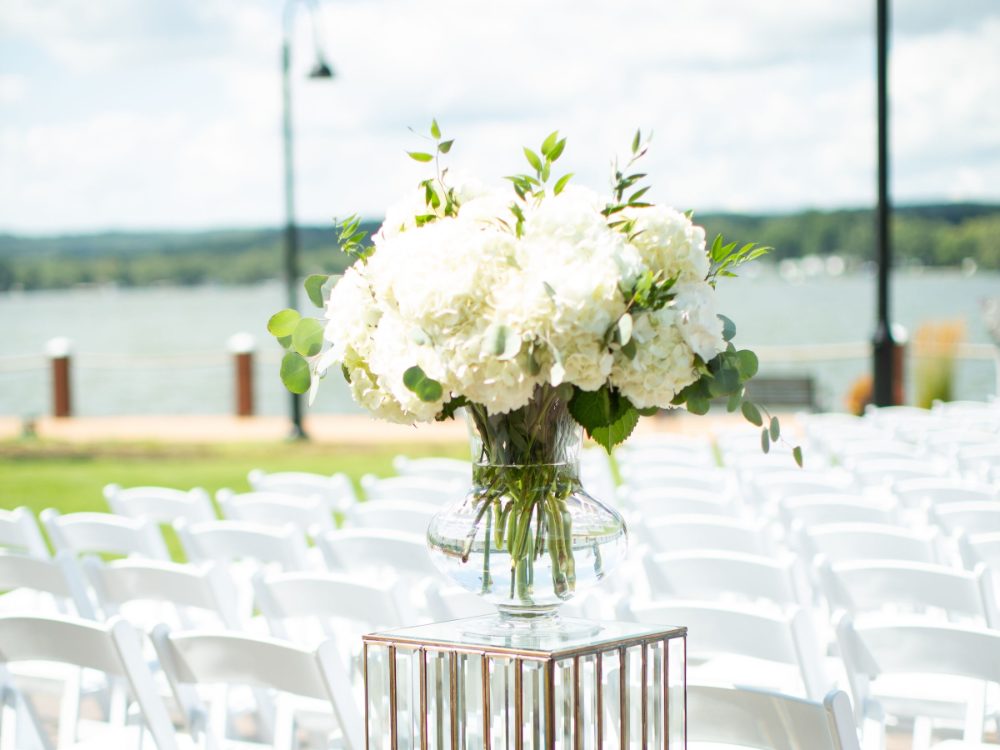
(163, 350)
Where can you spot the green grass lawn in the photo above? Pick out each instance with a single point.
(43, 474)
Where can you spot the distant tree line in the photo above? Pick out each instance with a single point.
(944, 235)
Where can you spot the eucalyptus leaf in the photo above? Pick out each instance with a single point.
(765, 441)
(420, 156)
(774, 428)
(426, 389)
(752, 413)
(283, 323)
(728, 328)
(295, 373)
(314, 288)
(746, 363)
(307, 339)
(797, 455)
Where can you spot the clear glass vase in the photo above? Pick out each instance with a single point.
(527, 537)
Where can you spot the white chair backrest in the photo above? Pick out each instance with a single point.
(715, 630)
(712, 576)
(764, 720)
(311, 514)
(408, 516)
(908, 648)
(672, 501)
(83, 533)
(404, 554)
(844, 542)
(914, 493)
(59, 577)
(773, 486)
(978, 460)
(972, 518)
(19, 531)
(455, 603)
(336, 490)
(160, 504)
(824, 508)
(693, 533)
(183, 587)
(205, 658)
(887, 472)
(640, 477)
(113, 648)
(863, 588)
(325, 596)
(447, 469)
(226, 541)
(980, 548)
(413, 488)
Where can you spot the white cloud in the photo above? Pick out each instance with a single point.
(172, 116)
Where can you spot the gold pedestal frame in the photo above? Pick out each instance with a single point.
(446, 687)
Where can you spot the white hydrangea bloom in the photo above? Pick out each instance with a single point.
(663, 363)
(698, 319)
(667, 240)
(491, 316)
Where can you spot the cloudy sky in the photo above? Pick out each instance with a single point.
(166, 113)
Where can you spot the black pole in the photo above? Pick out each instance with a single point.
(291, 256)
(883, 345)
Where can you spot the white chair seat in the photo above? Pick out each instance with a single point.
(732, 670)
(943, 696)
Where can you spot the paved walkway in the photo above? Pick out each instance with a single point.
(355, 429)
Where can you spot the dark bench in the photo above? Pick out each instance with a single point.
(784, 391)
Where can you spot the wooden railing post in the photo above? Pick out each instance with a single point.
(900, 339)
(58, 350)
(242, 346)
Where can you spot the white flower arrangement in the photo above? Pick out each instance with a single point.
(470, 295)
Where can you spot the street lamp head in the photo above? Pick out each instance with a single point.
(321, 69)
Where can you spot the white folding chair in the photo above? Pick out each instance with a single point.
(392, 515)
(889, 587)
(161, 505)
(19, 531)
(972, 518)
(916, 493)
(113, 649)
(887, 472)
(447, 469)
(336, 490)
(640, 478)
(323, 598)
(228, 541)
(204, 658)
(58, 580)
(148, 592)
(824, 508)
(596, 475)
(722, 576)
(455, 603)
(772, 487)
(413, 488)
(764, 720)
(245, 548)
(941, 672)
(654, 502)
(980, 548)
(94, 533)
(310, 514)
(978, 461)
(735, 644)
(694, 533)
(844, 542)
(404, 554)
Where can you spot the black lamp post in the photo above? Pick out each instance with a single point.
(321, 69)
(882, 344)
